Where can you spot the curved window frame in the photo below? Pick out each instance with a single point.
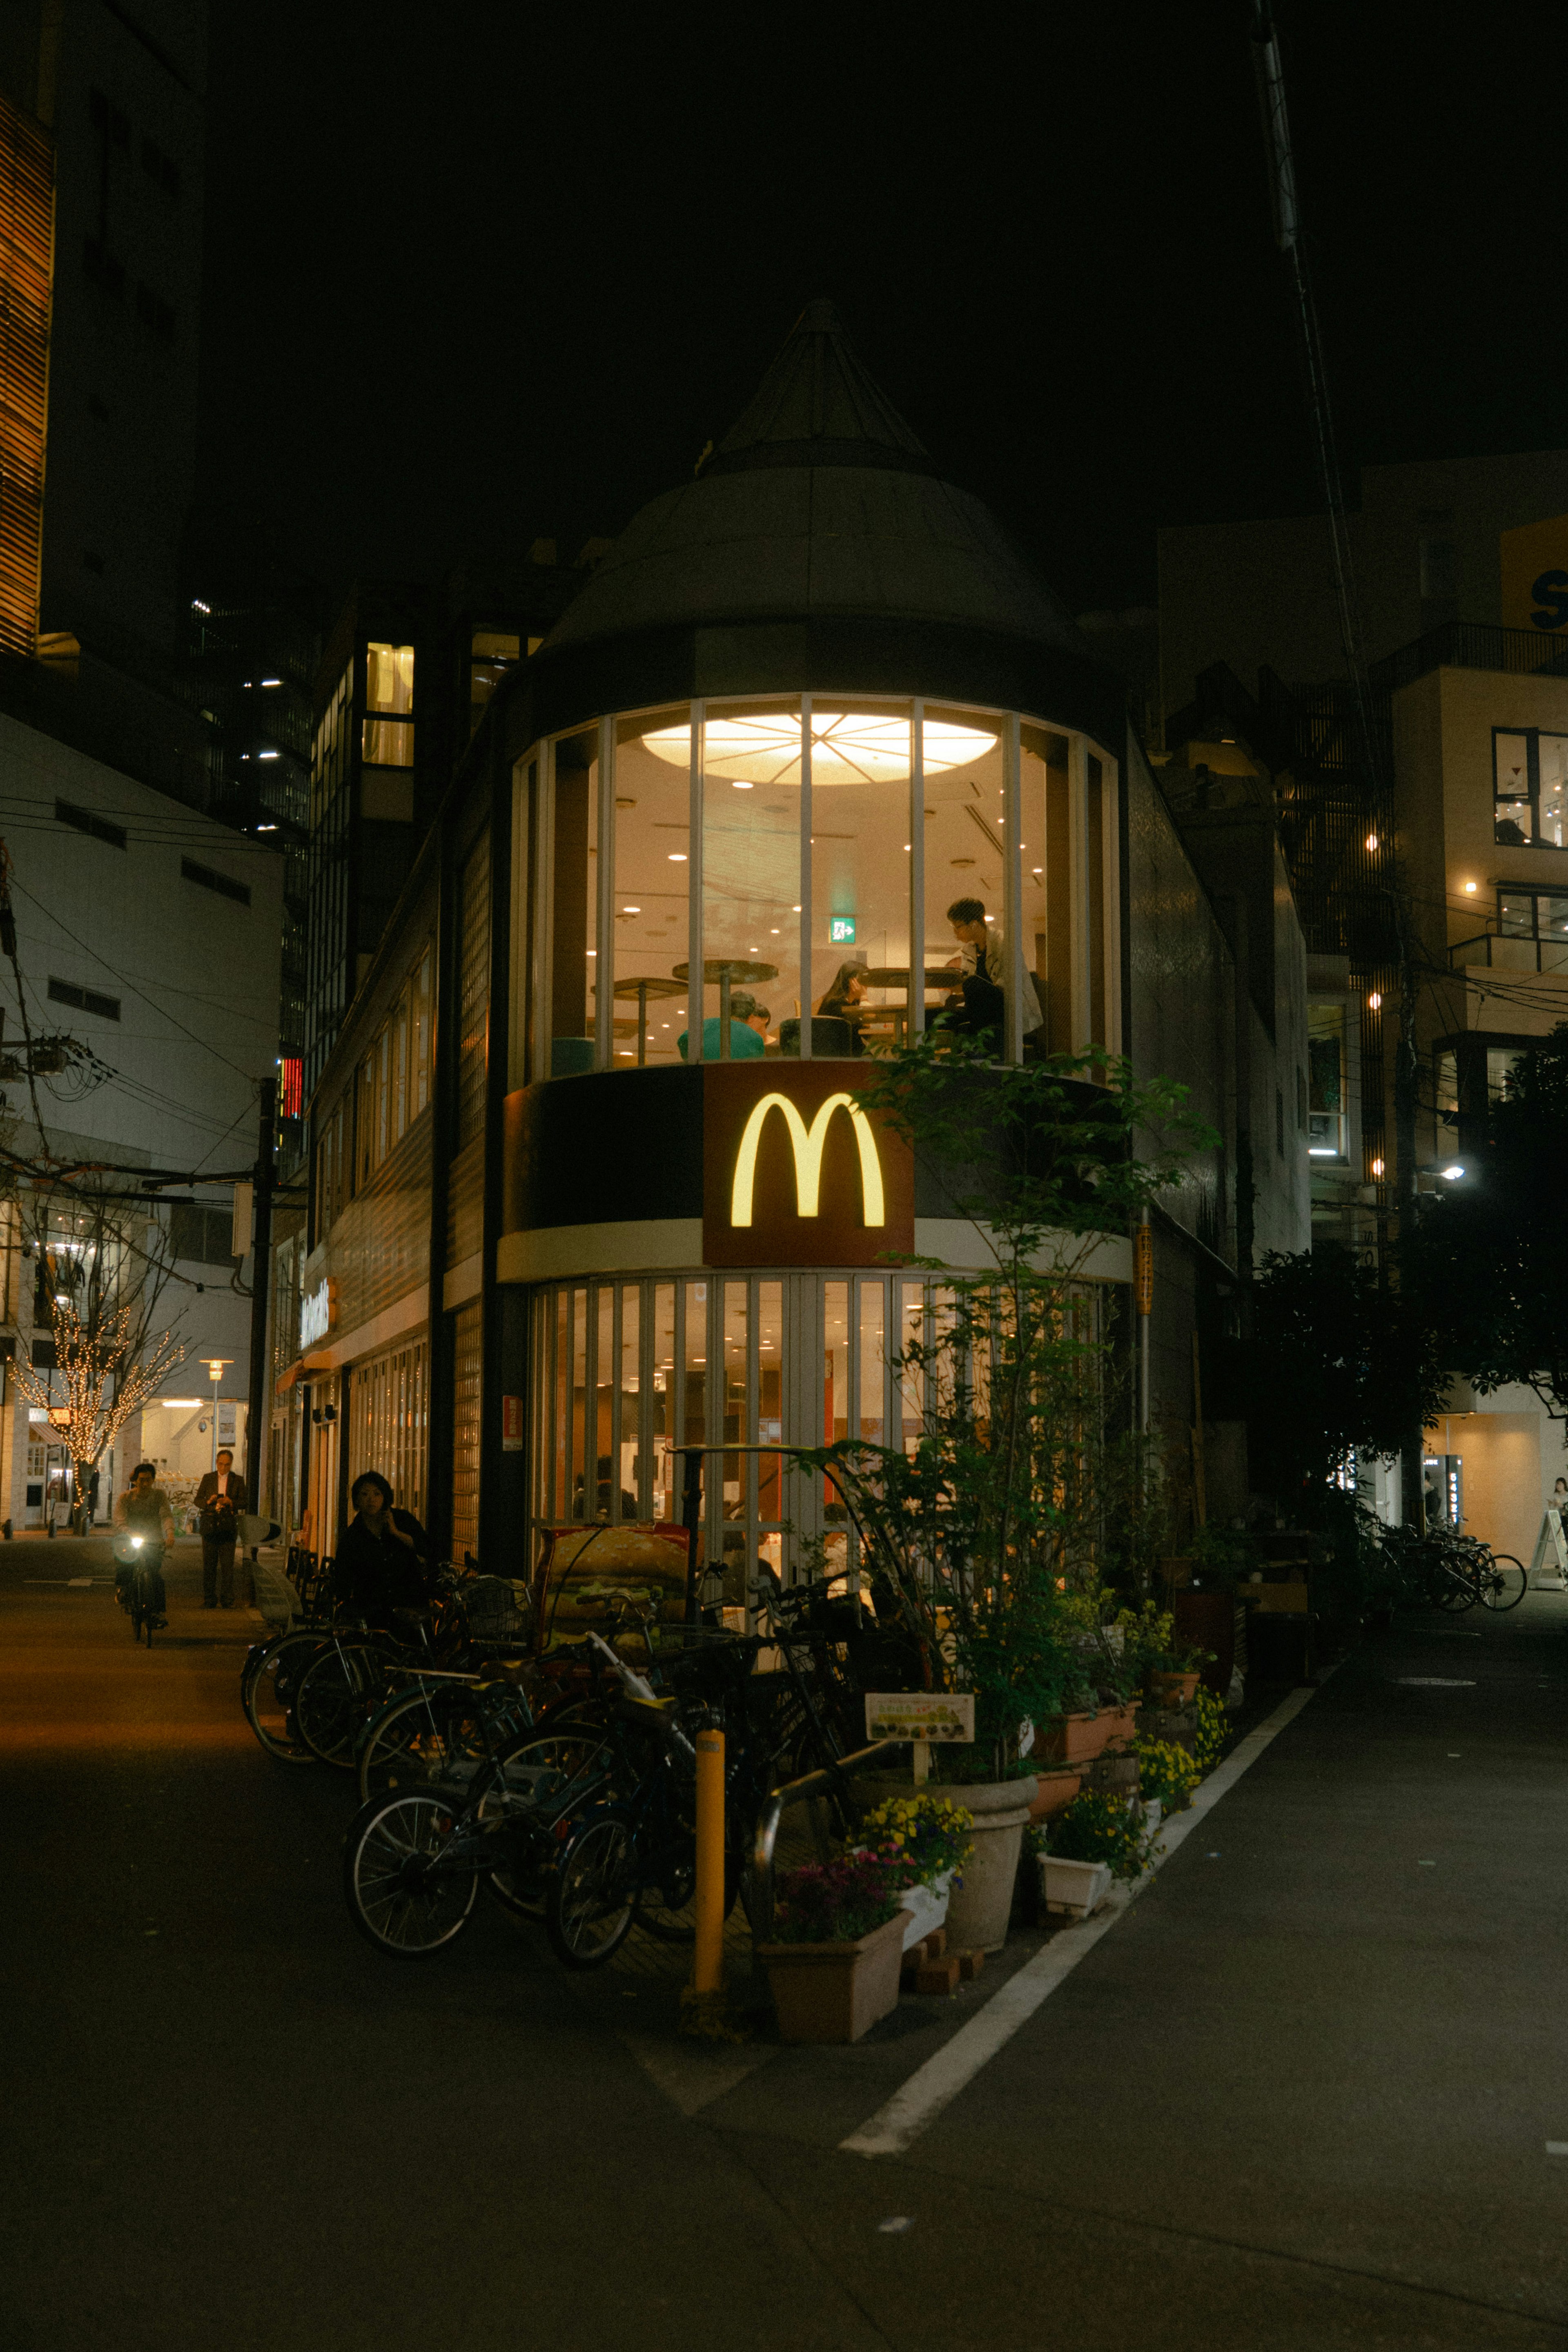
(1094, 853)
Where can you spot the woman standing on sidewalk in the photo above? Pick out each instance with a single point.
(383, 1553)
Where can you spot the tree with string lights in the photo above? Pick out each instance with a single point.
(105, 1377)
(103, 1267)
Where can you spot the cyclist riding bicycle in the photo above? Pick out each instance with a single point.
(142, 1512)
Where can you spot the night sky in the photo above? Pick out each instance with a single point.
(480, 271)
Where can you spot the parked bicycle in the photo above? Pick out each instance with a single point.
(1446, 1569)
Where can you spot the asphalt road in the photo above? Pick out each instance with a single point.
(1300, 2097)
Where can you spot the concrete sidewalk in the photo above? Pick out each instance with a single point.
(1299, 2098)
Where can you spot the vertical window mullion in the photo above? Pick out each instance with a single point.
(805, 1005)
(1012, 891)
(604, 905)
(617, 1295)
(647, 1348)
(915, 1020)
(544, 913)
(694, 887)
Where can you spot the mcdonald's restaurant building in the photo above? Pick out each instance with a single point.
(591, 1177)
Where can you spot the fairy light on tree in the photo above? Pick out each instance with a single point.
(105, 1379)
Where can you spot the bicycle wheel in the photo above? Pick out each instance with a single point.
(331, 1703)
(269, 1701)
(538, 1779)
(591, 1902)
(403, 1895)
(1455, 1590)
(1504, 1584)
(422, 1738)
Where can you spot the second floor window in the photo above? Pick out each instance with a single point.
(389, 705)
(1530, 788)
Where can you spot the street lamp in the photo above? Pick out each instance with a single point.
(216, 1365)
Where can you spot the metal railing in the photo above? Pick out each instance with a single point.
(1472, 644)
(760, 1907)
(1510, 952)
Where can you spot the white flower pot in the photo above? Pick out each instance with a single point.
(1153, 1812)
(927, 1906)
(1073, 1889)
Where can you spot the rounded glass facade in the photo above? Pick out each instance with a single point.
(777, 875)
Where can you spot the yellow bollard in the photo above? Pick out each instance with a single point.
(707, 1966)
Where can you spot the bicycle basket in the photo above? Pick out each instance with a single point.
(494, 1608)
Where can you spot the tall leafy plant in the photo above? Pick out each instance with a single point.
(983, 1534)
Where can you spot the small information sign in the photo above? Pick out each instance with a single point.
(939, 1717)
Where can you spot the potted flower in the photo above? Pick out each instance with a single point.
(927, 1839)
(1173, 1679)
(838, 1945)
(1097, 1840)
(1168, 1776)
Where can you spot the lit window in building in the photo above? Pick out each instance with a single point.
(1530, 788)
(388, 739)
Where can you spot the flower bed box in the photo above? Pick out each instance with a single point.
(925, 1907)
(1073, 1890)
(1072, 1738)
(1171, 1690)
(836, 1992)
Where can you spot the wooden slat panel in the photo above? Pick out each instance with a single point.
(466, 1203)
(26, 253)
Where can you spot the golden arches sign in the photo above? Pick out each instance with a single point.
(807, 1143)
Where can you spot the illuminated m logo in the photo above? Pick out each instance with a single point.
(807, 1144)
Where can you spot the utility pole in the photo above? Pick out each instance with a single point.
(1269, 71)
(261, 1269)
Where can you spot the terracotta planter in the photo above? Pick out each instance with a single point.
(1072, 1739)
(835, 1992)
(1055, 1788)
(1123, 1723)
(1172, 1691)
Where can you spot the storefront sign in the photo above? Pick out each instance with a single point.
(795, 1172)
(511, 1424)
(1534, 564)
(317, 1313)
(807, 1143)
(945, 1716)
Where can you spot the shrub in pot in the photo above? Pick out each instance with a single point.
(837, 1947)
(1167, 1774)
(1098, 1839)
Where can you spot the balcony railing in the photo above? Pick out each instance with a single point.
(1472, 644)
(1501, 951)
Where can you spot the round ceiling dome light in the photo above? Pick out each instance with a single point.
(848, 747)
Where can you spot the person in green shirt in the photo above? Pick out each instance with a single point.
(747, 1030)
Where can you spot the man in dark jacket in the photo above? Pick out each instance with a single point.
(220, 1499)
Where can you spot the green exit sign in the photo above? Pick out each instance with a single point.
(841, 930)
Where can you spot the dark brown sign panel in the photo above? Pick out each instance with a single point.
(795, 1172)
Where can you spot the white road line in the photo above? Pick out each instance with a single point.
(936, 2084)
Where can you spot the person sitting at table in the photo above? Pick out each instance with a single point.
(845, 998)
(747, 1030)
(977, 1004)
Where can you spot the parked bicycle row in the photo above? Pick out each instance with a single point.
(538, 1740)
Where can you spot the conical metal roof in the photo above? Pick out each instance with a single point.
(817, 393)
(820, 503)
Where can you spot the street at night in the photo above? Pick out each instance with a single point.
(1302, 2093)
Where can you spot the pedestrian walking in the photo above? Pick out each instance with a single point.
(383, 1554)
(220, 1499)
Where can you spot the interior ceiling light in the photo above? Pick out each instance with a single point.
(848, 747)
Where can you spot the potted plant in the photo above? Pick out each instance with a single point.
(838, 1945)
(1097, 1840)
(977, 1537)
(1171, 1682)
(1167, 1774)
(926, 1838)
